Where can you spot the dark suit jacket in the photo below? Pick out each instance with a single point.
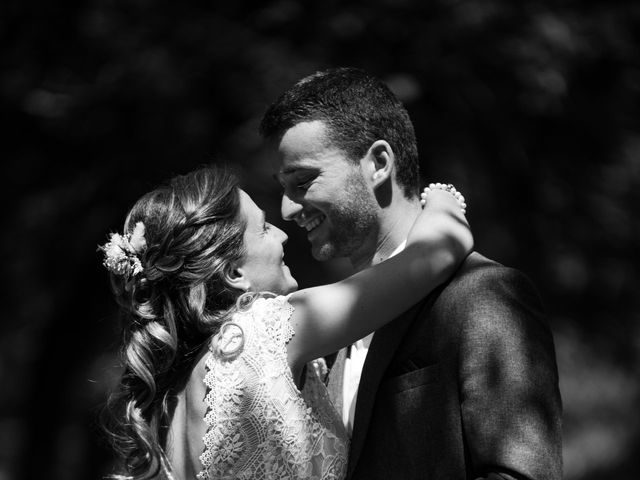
(463, 385)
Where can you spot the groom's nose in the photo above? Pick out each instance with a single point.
(289, 209)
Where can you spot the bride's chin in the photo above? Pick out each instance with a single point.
(293, 286)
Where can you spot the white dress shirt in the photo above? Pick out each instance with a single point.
(353, 364)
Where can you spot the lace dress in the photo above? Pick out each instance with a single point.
(259, 425)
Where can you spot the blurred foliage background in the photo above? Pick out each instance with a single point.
(531, 108)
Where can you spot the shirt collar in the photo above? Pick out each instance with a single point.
(399, 248)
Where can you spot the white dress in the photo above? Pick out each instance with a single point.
(258, 424)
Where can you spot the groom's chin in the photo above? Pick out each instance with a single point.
(323, 252)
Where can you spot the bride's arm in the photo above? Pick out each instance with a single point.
(329, 317)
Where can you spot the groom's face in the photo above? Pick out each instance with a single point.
(325, 193)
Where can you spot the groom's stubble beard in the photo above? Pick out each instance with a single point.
(353, 220)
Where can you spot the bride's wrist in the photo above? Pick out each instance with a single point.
(446, 187)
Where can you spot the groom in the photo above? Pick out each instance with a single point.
(464, 385)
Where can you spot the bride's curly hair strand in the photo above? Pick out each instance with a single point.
(194, 233)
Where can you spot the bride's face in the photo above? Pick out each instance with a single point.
(263, 264)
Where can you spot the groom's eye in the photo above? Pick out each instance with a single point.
(305, 183)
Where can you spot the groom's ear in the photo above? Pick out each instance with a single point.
(379, 162)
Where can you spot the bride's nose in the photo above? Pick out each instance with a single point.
(283, 236)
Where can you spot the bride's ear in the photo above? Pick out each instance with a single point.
(235, 278)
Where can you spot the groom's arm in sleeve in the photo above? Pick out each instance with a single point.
(508, 379)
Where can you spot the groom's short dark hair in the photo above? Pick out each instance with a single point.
(357, 109)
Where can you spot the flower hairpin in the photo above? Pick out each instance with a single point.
(121, 252)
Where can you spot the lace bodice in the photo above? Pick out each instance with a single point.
(259, 425)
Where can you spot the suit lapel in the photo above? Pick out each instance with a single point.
(336, 378)
(383, 347)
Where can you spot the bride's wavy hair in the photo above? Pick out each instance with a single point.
(194, 234)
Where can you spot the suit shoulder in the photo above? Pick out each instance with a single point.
(478, 273)
(483, 290)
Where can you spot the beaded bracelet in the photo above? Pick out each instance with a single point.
(447, 187)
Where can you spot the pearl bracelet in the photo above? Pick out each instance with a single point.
(447, 187)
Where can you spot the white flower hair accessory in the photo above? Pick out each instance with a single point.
(121, 252)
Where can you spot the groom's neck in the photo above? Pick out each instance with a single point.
(394, 223)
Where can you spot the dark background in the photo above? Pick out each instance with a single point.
(530, 108)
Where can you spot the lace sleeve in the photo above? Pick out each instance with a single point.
(275, 314)
(258, 423)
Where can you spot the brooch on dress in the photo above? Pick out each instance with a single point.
(229, 341)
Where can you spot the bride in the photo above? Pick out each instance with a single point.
(217, 379)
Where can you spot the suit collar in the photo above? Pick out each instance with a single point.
(383, 347)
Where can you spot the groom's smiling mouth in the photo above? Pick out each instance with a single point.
(312, 224)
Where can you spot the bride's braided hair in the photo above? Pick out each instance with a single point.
(193, 232)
